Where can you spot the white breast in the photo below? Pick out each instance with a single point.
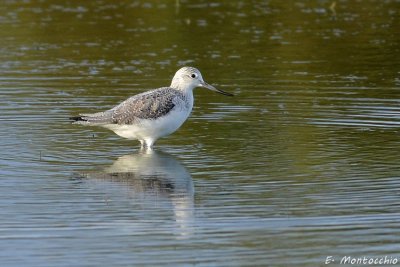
(152, 129)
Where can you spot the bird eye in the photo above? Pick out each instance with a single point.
(194, 75)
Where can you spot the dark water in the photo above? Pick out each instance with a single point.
(302, 164)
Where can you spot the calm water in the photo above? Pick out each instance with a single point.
(302, 164)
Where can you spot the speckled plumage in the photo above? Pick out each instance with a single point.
(153, 114)
(148, 105)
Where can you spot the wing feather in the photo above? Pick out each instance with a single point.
(148, 105)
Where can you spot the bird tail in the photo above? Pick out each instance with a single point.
(99, 118)
(77, 119)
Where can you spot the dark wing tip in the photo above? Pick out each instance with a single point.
(77, 118)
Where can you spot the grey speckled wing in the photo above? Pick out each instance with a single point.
(148, 105)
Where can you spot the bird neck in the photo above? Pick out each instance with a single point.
(186, 95)
(185, 88)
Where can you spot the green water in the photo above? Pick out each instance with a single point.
(300, 165)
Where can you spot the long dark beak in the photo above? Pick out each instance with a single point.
(212, 88)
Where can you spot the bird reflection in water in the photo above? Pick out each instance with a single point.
(155, 179)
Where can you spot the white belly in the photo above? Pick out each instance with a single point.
(152, 129)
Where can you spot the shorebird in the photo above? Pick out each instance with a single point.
(153, 114)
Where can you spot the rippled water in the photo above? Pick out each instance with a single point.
(300, 165)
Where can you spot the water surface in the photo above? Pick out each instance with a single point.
(301, 164)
